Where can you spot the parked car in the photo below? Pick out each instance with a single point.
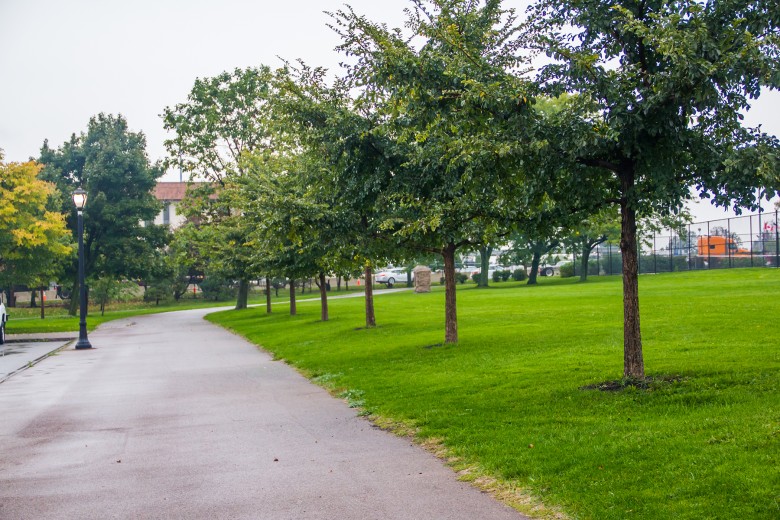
(391, 276)
(552, 270)
(3, 319)
(492, 268)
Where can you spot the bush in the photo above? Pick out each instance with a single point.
(519, 275)
(461, 277)
(496, 276)
(567, 270)
(215, 288)
(476, 277)
(505, 274)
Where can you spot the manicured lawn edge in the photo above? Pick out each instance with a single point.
(699, 442)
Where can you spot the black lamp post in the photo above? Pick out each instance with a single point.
(80, 200)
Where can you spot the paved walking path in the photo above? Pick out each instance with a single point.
(172, 417)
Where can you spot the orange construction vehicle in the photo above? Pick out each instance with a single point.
(719, 246)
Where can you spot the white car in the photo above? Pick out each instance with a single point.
(492, 268)
(552, 270)
(392, 276)
(3, 319)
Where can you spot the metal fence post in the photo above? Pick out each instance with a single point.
(598, 260)
(777, 242)
(728, 244)
(689, 247)
(655, 256)
(751, 235)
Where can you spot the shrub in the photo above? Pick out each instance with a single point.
(496, 276)
(216, 288)
(567, 270)
(519, 275)
(476, 277)
(461, 277)
(505, 274)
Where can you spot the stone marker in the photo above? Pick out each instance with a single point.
(422, 279)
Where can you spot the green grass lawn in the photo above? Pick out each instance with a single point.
(509, 401)
(28, 320)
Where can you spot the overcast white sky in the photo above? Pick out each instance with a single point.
(62, 62)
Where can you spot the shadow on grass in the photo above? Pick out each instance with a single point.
(649, 383)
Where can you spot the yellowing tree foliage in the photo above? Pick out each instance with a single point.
(33, 239)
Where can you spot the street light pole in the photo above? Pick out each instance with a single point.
(80, 200)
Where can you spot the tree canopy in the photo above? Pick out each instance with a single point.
(34, 241)
(224, 118)
(660, 89)
(109, 161)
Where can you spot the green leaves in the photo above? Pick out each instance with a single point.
(110, 163)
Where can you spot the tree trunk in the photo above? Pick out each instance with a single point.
(323, 298)
(243, 294)
(535, 260)
(338, 283)
(74, 297)
(484, 265)
(267, 295)
(633, 364)
(43, 303)
(293, 308)
(450, 304)
(33, 299)
(586, 248)
(370, 316)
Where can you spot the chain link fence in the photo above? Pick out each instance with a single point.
(744, 241)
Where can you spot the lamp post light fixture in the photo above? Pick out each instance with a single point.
(80, 200)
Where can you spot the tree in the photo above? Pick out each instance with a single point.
(296, 228)
(432, 98)
(484, 265)
(104, 290)
(34, 241)
(110, 163)
(224, 117)
(661, 86)
(359, 160)
(591, 232)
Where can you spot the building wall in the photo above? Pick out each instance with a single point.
(170, 215)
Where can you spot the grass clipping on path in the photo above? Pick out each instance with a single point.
(520, 405)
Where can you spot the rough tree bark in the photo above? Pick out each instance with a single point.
(535, 261)
(484, 265)
(587, 249)
(243, 294)
(293, 308)
(633, 363)
(268, 295)
(323, 298)
(370, 316)
(450, 306)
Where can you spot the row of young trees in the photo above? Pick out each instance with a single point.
(441, 138)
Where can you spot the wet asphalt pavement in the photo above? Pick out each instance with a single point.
(172, 417)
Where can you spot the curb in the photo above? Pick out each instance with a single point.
(40, 337)
(30, 364)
